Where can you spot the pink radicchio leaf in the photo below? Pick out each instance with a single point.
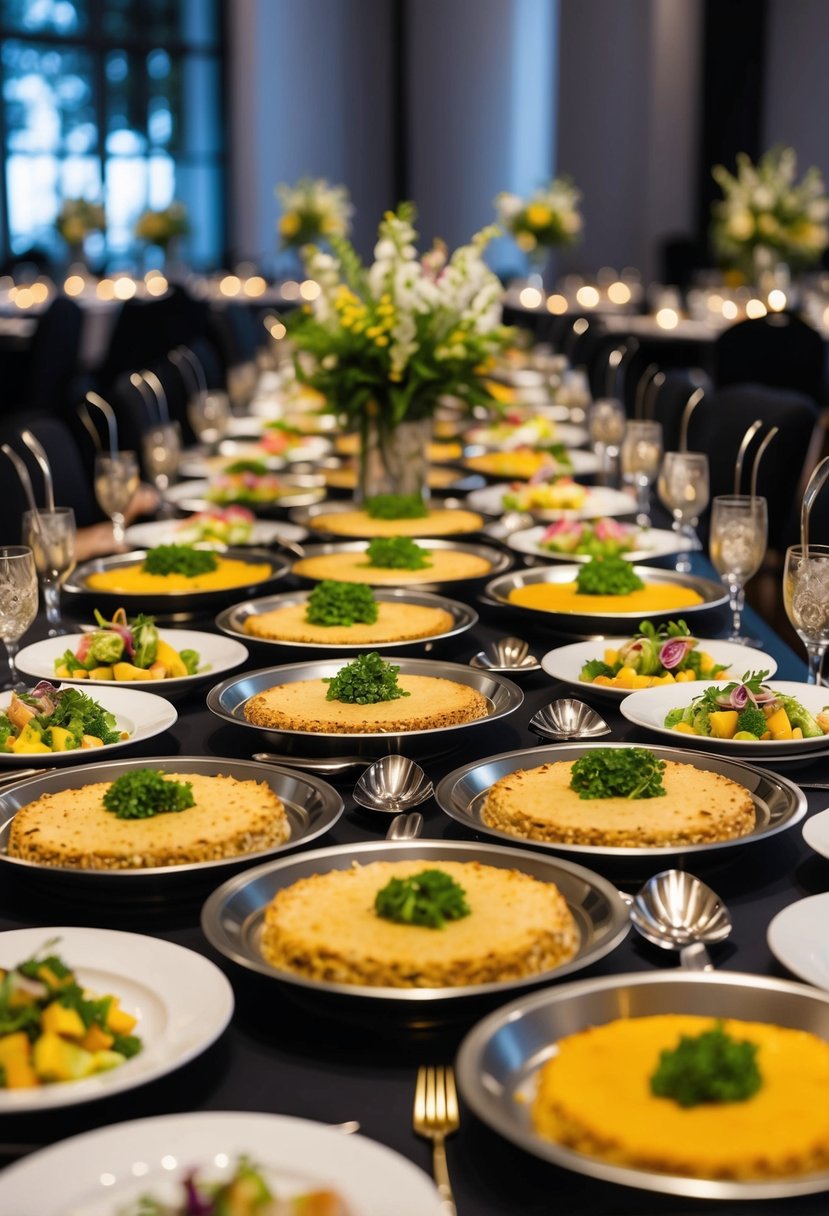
(610, 529)
(195, 1204)
(46, 695)
(672, 653)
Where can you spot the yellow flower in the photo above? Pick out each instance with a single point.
(396, 377)
(538, 215)
(526, 241)
(381, 341)
(289, 224)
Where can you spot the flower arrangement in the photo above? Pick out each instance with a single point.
(313, 211)
(548, 219)
(765, 216)
(77, 218)
(161, 227)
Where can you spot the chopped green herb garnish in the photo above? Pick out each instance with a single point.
(145, 792)
(365, 682)
(607, 576)
(397, 553)
(396, 506)
(180, 559)
(333, 603)
(80, 715)
(258, 467)
(430, 898)
(618, 772)
(711, 1067)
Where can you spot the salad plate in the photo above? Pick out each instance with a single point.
(300, 490)
(263, 532)
(182, 1001)
(139, 715)
(497, 463)
(501, 437)
(598, 501)
(648, 708)
(216, 656)
(109, 1169)
(565, 663)
(797, 938)
(648, 543)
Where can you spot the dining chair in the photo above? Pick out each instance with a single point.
(779, 350)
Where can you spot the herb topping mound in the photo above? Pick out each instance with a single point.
(397, 553)
(711, 1067)
(430, 898)
(607, 576)
(365, 682)
(396, 506)
(618, 772)
(146, 792)
(334, 603)
(180, 559)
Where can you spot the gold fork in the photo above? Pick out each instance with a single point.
(436, 1117)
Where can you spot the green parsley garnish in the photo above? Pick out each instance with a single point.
(397, 553)
(396, 506)
(146, 792)
(712, 1067)
(258, 467)
(365, 682)
(180, 559)
(618, 772)
(333, 603)
(610, 575)
(714, 697)
(430, 898)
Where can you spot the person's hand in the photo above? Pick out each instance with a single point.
(96, 541)
(145, 501)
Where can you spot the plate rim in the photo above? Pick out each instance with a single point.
(280, 566)
(552, 514)
(803, 973)
(683, 545)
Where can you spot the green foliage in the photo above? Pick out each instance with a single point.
(190, 659)
(145, 792)
(607, 576)
(180, 559)
(333, 603)
(397, 553)
(365, 682)
(430, 898)
(258, 467)
(711, 1067)
(593, 668)
(623, 772)
(396, 506)
(80, 715)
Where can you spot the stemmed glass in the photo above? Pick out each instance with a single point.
(160, 450)
(208, 412)
(116, 480)
(18, 599)
(639, 457)
(51, 537)
(806, 596)
(739, 530)
(683, 487)
(606, 421)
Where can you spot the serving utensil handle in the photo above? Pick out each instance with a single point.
(440, 1169)
(695, 958)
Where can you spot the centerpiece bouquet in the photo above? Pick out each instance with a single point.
(162, 227)
(765, 216)
(77, 218)
(549, 219)
(312, 211)
(385, 344)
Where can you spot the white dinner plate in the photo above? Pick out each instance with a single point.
(565, 663)
(102, 1171)
(299, 492)
(168, 532)
(182, 1001)
(304, 447)
(216, 654)
(649, 543)
(816, 833)
(599, 501)
(648, 707)
(565, 433)
(582, 464)
(797, 936)
(143, 715)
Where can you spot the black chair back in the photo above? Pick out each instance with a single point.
(54, 357)
(779, 350)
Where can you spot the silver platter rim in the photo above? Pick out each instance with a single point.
(501, 561)
(76, 583)
(306, 515)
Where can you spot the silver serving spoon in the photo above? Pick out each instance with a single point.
(314, 764)
(677, 911)
(568, 718)
(392, 784)
(405, 827)
(506, 654)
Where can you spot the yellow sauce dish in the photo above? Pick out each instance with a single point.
(565, 597)
(134, 580)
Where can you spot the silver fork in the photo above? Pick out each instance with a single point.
(435, 1117)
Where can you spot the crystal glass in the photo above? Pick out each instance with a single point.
(18, 599)
(739, 531)
(606, 422)
(161, 450)
(806, 596)
(639, 457)
(208, 413)
(683, 488)
(51, 538)
(116, 480)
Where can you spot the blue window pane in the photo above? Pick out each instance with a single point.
(45, 16)
(200, 106)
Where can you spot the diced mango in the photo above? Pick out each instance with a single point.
(101, 673)
(723, 723)
(158, 671)
(605, 680)
(171, 659)
(625, 678)
(47, 975)
(20, 1074)
(91, 741)
(97, 1039)
(30, 740)
(706, 663)
(797, 732)
(104, 1060)
(778, 724)
(641, 681)
(60, 1020)
(15, 1047)
(56, 1059)
(685, 677)
(118, 1021)
(128, 671)
(62, 672)
(611, 657)
(684, 728)
(62, 739)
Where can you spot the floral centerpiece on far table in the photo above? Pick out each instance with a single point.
(77, 218)
(549, 219)
(163, 226)
(766, 217)
(385, 344)
(312, 211)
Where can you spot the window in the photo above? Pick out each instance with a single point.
(117, 101)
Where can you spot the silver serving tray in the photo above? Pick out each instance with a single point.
(184, 601)
(311, 805)
(500, 561)
(232, 622)
(778, 804)
(307, 515)
(462, 481)
(499, 1058)
(497, 592)
(232, 917)
(227, 701)
(305, 488)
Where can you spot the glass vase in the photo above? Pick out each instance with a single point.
(393, 459)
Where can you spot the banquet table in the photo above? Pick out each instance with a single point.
(293, 1059)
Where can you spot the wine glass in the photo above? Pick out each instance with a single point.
(208, 413)
(18, 599)
(606, 421)
(160, 451)
(683, 487)
(51, 537)
(739, 530)
(806, 596)
(639, 456)
(116, 480)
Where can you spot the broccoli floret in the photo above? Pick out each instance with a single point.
(699, 719)
(753, 720)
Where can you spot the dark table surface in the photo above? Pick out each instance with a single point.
(282, 1057)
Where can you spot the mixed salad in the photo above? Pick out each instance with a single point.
(747, 710)
(589, 538)
(53, 1029)
(556, 493)
(50, 719)
(246, 481)
(653, 656)
(280, 437)
(231, 526)
(245, 1193)
(516, 430)
(125, 650)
